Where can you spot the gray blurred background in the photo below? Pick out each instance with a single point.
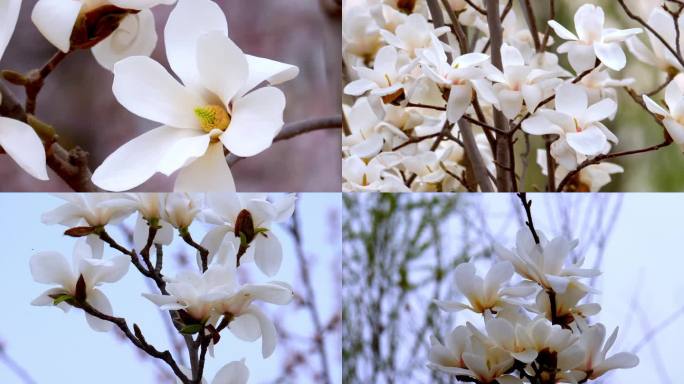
(78, 100)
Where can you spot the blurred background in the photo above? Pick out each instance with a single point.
(42, 345)
(78, 100)
(400, 251)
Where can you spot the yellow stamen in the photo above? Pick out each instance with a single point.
(212, 117)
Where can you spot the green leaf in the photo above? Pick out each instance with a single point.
(62, 298)
(191, 329)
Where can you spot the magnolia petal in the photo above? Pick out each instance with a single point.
(223, 68)
(511, 103)
(451, 306)
(611, 55)
(257, 119)
(617, 35)
(459, 100)
(23, 145)
(189, 20)
(561, 31)
(55, 19)
(572, 100)
(509, 379)
(136, 36)
(537, 125)
(269, 337)
(359, 87)
(589, 20)
(581, 56)
(235, 372)
(100, 302)
(284, 207)
(208, 173)
(622, 360)
(165, 302)
(268, 253)
(140, 4)
(673, 95)
(51, 268)
(275, 292)
(145, 88)
(511, 56)
(45, 299)
(600, 111)
(589, 142)
(245, 327)
(271, 71)
(9, 13)
(675, 129)
(654, 107)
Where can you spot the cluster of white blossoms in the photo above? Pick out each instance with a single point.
(535, 329)
(415, 89)
(203, 301)
(220, 106)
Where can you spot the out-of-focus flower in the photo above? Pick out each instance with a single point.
(589, 179)
(235, 372)
(673, 117)
(659, 55)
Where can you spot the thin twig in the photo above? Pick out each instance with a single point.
(527, 205)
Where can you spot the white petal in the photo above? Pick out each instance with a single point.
(581, 56)
(511, 56)
(459, 100)
(136, 36)
(9, 13)
(599, 111)
(269, 338)
(589, 20)
(284, 207)
(675, 130)
(451, 306)
(268, 253)
(235, 372)
(618, 35)
(55, 19)
(165, 302)
(209, 173)
(275, 292)
(100, 302)
(245, 327)
(271, 71)
(145, 88)
(51, 268)
(139, 159)
(533, 95)
(654, 107)
(140, 4)
(257, 118)
(471, 59)
(572, 100)
(537, 125)
(561, 31)
(611, 55)
(511, 103)
(620, 360)
(589, 142)
(23, 145)
(640, 51)
(115, 270)
(222, 65)
(673, 95)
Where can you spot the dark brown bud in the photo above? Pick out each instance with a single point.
(79, 231)
(96, 25)
(245, 225)
(406, 6)
(80, 293)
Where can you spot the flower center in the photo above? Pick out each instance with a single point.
(213, 117)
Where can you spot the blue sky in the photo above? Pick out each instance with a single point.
(59, 348)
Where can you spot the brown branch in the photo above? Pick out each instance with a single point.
(298, 128)
(528, 11)
(527, 205)
(547, 33)
(203, 252)
(475, 157)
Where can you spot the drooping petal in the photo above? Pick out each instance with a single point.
(245, 327)
(208, 173)
(23, 145)
(9, 13)
(235, 372)
(145, 88)
(189, 20)
(561, 31)
(622, 360)
(55, 19)
(100, 302)
(611, 55)
(654, 107)
(268, 253)
(459, 100)
(257, 118)
(673, 95)
(139, 159)
(222, 66)
(537, 125)
(269, 337)
(136, 36)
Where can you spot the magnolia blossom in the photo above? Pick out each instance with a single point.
(659, 55)
(53, 268)
(235, 372)
(589, 179)
(249, 218)
(214, 107)
(545, 263)
(486, 294)
(593, 40)
(214, 293)
(181, 209)
(413, 35)
(372, 176)
(596, 361)
(386, 77)
(17, 139)
(673, 116)
(57, 20)
(581, 133)
(567, 303)
(151, 210)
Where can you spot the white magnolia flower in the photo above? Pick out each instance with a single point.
(567, 303)
(181, 209)
(659, 56)
(581, 133)
(385, 79)
(545, 263)
(214, 107)
(53, 268)
(372, 176)
(360, 34)
(450, 355)
(673, 116)
(235, 372)
(135, 35)
(595, 362)
(249, 218)
(460, 77)
(519, 83)
(413, 35)
(17, 139)
(151, 210)
(486, 294)
(216, 292)
(590, 178)
(593, 40)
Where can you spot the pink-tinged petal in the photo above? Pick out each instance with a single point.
(459, 100)
(222, 65)
(139, 159)
(589, 142)
(257, 118)
(271, 71)
(600, 111)
(268, 253)
(23, 145)
(55, 19)
(189, 20)
(9, 13)
(208, 173)
(51, 268)
(537, 125)
(582, 57)
(145, 88)
(235, 372)
(136, 36)
(655, 107)
(589, 20)
(611, 55)
(572, 100)
(100, 302)
(675, 129)
(561, 31)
